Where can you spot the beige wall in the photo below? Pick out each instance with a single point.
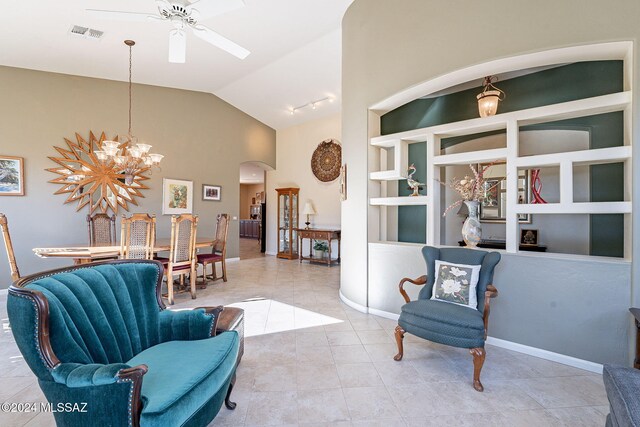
(391, 46)
(247, 193)
(295, 146)
(203, 138)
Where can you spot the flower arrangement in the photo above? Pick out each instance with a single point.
(470, 187)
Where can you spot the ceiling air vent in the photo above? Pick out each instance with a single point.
(85, 33)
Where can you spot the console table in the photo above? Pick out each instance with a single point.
(318, 234)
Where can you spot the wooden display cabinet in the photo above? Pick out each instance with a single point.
(288, 222)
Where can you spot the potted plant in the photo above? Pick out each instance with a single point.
(320, 248)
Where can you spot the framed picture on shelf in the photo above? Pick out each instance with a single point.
(11, 176)
(177, 196)
(211, 192)
(529, 237)
(494, 206)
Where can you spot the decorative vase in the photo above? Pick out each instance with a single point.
(472, 229)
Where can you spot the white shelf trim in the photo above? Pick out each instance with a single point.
(388, 175)
(399, 201)
(574, 208)
(470, 157)
(597, 155)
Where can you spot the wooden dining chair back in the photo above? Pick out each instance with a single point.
(182, 253)
(102, 229)
(138, 236)
(218, 253)
(13, 265)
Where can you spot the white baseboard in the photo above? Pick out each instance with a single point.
(232, 259)
(270, 253)
(548, 355)
(384, 314)
(509, 345)
(4, 291)
(352, 304)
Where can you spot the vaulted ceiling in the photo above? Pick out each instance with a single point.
(295, 51)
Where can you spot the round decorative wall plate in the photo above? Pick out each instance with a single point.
(326, 160)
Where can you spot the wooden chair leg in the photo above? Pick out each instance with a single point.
(224, 270)
(203, 284)
(399, 337)
(227, 400)
(192, 280)
(170, 286)
(214, 275)
(478, 360)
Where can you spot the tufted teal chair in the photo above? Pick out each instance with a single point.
(446, 323)
(99, 335)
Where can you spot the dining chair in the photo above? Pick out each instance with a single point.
(102, 229)
(218, 252)
(182, 254)
(138, 236)
(13, 266)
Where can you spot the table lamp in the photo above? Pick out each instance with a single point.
(308, 210)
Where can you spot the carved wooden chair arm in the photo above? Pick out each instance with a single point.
(491, 292)
(419, 281)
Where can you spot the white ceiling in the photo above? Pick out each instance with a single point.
(295, 51)
(252, 172)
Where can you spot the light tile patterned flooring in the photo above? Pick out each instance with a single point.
(312, 361)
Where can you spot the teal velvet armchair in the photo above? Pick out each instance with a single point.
(446, 323)
(100, 341)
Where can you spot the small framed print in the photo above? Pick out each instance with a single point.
(211, 192)
(177, 196)
(529, 237)
(11, 176)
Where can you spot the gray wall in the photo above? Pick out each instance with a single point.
(203, 138)
(390, 46)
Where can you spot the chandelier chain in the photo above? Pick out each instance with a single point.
(130, 57)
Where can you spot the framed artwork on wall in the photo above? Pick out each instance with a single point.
(11, 176)
(211, 192)
(177, 196)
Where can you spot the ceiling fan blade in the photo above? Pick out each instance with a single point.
(210, 8)
(118, 15)
(177, 46)
(210, 36)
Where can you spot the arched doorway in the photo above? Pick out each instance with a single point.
(252, 209)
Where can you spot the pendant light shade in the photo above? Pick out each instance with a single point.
(489, 98)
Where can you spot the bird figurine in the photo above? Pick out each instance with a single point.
(413, 184)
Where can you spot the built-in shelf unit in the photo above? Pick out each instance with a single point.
(397, 145)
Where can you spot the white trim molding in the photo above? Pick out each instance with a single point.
(513, 346)
(545, 354)
(352, 304)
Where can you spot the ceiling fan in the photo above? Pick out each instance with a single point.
(183, 14)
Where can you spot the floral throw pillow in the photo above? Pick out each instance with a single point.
(456, 284)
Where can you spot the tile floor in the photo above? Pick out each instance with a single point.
(312, 361)
(250, 248)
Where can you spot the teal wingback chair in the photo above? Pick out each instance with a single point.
(446, 323)
(100, 341)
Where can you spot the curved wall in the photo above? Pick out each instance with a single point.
(391, 46)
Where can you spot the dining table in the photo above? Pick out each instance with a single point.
(84, 254)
